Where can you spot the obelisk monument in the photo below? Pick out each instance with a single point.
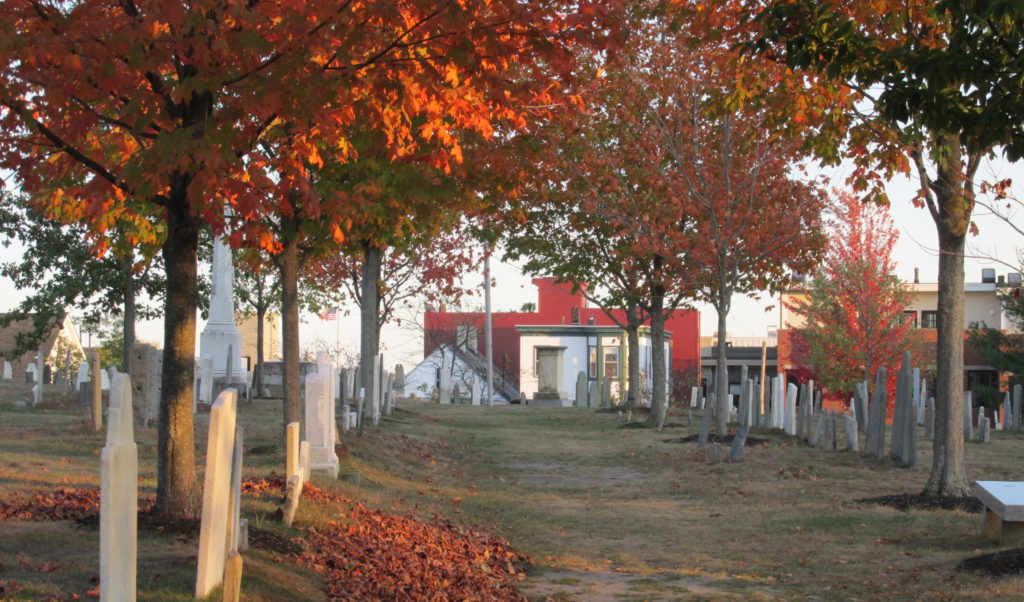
(221, 332)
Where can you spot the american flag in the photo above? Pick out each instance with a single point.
(331, 313)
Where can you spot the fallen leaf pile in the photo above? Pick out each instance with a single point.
(372, 555)
(65, 503)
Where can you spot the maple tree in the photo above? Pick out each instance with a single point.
(61, 272)
(853, 310)
(936, 92)
(141, 113)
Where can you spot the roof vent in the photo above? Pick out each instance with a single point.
(988, 275)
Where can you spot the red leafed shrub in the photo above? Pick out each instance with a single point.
(63, 504)
(372, 555)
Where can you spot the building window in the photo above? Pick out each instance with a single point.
(929, 319)
(611, 362)
(911, 318)
(591, 361)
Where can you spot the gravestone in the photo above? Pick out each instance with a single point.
(206, 379)
(445, 396)
(400, 380)
(738, 441)
(606, 393)
(221, 332)
(595, 393)
(744, 411)
(97, 391)
(852, 441)
(119, 494)
(801, 411)
(1017, 394)
(581, 390)
(7, 370)
(790, 419)
(1007, 418)
(233, 562)
(374, 393)
(713, 453)
(37, 391)
(104, 380)
(929, 419)
(779, 402)
(83, 374)
(694, 397)
(968, 423)
(30, 374)
(390, 395)
(875, 444)
(213, 530)
(343, 390)
(984, 431)
(475, 394)
(818, 440)
(146, 368)
(320, 425)
(705, 427)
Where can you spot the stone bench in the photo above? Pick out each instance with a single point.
(1004, 510)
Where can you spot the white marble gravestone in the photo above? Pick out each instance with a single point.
(221, 332)
(320, 426)
(7, 370)
(206, 371)
(213, 530)
(119, 495)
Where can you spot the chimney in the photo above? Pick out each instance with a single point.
(917, 275)
(1000, 279)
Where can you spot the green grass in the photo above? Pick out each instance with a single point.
(603, 512)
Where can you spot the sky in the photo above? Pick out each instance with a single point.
(403, 342)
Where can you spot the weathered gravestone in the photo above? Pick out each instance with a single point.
(97, 392)
(213, 530)
(37, 391)
(146, 368)
(595, 393)
(1007, 418)
(738, 441)
(694, 397)
(119, 495)
(790, 418)
(399, 380)
(233, 563)
(1017, 394)
(474, 395)
(206, 379)
(7, 370)
(984, 430)
(581, 390)
(852, 441)
(705, 427)
(320, 426)
(713, 453)
(875, 443)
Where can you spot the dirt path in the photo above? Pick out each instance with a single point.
(608, 512)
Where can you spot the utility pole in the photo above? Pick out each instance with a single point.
(487, 327)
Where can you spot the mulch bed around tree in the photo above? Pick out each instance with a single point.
(1004, 562)
(750, 442)
(921, 501)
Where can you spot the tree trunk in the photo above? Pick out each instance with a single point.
(289, 266)
(128, 329)
(257, 372)
(633, 361)
(659, 398)
(721, 378)
(369, 332)
(177, 493)
(948, 476)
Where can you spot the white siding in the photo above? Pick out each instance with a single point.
(574, 360)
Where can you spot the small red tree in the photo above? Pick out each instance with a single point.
(854, 307)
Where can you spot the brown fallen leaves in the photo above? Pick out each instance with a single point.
(66, 503)
(373, 555)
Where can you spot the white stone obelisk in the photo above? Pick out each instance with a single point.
(221, 331)
(119, 493)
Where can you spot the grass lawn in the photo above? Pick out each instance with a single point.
(603, 511)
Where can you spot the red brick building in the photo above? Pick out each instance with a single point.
(557, 305)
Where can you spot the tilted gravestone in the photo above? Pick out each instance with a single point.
(213, 530)
(119, 497)
(736, 450)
